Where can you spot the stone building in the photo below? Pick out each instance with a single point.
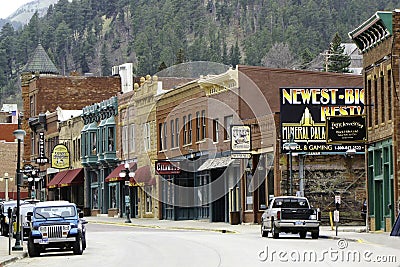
(377, 38)
(138, 143)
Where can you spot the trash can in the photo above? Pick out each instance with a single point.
(234, 217)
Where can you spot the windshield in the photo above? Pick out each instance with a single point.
(54, 212)
(290, 203)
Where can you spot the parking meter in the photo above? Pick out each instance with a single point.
(9, 214)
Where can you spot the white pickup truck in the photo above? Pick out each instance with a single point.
(290, 214)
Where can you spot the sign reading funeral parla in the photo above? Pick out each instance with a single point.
(304, 111)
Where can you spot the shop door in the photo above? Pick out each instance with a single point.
(379, 223)
(134, 202)
(219, 204)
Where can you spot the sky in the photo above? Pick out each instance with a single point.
(7, 7)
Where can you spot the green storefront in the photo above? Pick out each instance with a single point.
(380, 185)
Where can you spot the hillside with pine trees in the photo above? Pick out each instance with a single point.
(93, 35)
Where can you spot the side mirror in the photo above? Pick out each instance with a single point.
(29, 216)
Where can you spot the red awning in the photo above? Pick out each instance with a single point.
(73, 177)
(114, 175)
(56, 179)
(142, 177)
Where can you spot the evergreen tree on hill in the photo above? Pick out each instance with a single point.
(338, 61)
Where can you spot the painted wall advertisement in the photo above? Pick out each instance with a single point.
(304, 111)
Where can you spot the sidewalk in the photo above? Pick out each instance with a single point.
(15, 255)
(349, 233)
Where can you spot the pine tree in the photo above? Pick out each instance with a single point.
(162, 66)
(338, 61)
(235, 54)
(180, 56)
(105, 63)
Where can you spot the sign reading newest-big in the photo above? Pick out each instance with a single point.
(304, 111)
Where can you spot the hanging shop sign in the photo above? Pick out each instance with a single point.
(304, 111)
(241, 138)
(167, 167)
(42, 159)
(346, 129)
(60, 157)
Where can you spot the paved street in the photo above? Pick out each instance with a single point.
(111, 242)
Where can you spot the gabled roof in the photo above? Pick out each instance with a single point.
(40, 62)
(373, 31)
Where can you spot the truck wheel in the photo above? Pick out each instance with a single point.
(263, 232)
(84, 243)
(33, 250)
(78, 245)
(275, 233)
(303, 234)
(315, 234)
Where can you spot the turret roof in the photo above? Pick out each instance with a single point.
(40, 62)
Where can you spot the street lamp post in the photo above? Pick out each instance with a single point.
(127, 174)
(291, 146)
(6, 178)
(19, 134)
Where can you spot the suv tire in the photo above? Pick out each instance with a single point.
(78, 245)
(33, 250)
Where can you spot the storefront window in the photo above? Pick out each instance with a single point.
(113, 197)
(95, 198)
(249, 187)
(148, 202)
(110, 139)
(93, 143)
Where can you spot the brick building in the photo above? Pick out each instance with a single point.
(325, 174)
(44, 90)
(194, 152)
(196, 172)
(378, 40)
(8, 153)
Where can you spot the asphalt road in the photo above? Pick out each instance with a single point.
(115, 245)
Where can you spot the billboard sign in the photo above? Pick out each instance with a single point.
(304, 111)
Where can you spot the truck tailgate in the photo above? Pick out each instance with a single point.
(296, 214)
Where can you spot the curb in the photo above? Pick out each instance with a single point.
(341, 238)
(168, 227)
(13, 259)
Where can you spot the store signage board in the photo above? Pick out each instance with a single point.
(303, 114)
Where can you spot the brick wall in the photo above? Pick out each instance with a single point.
(8, 158)
(69, 93)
